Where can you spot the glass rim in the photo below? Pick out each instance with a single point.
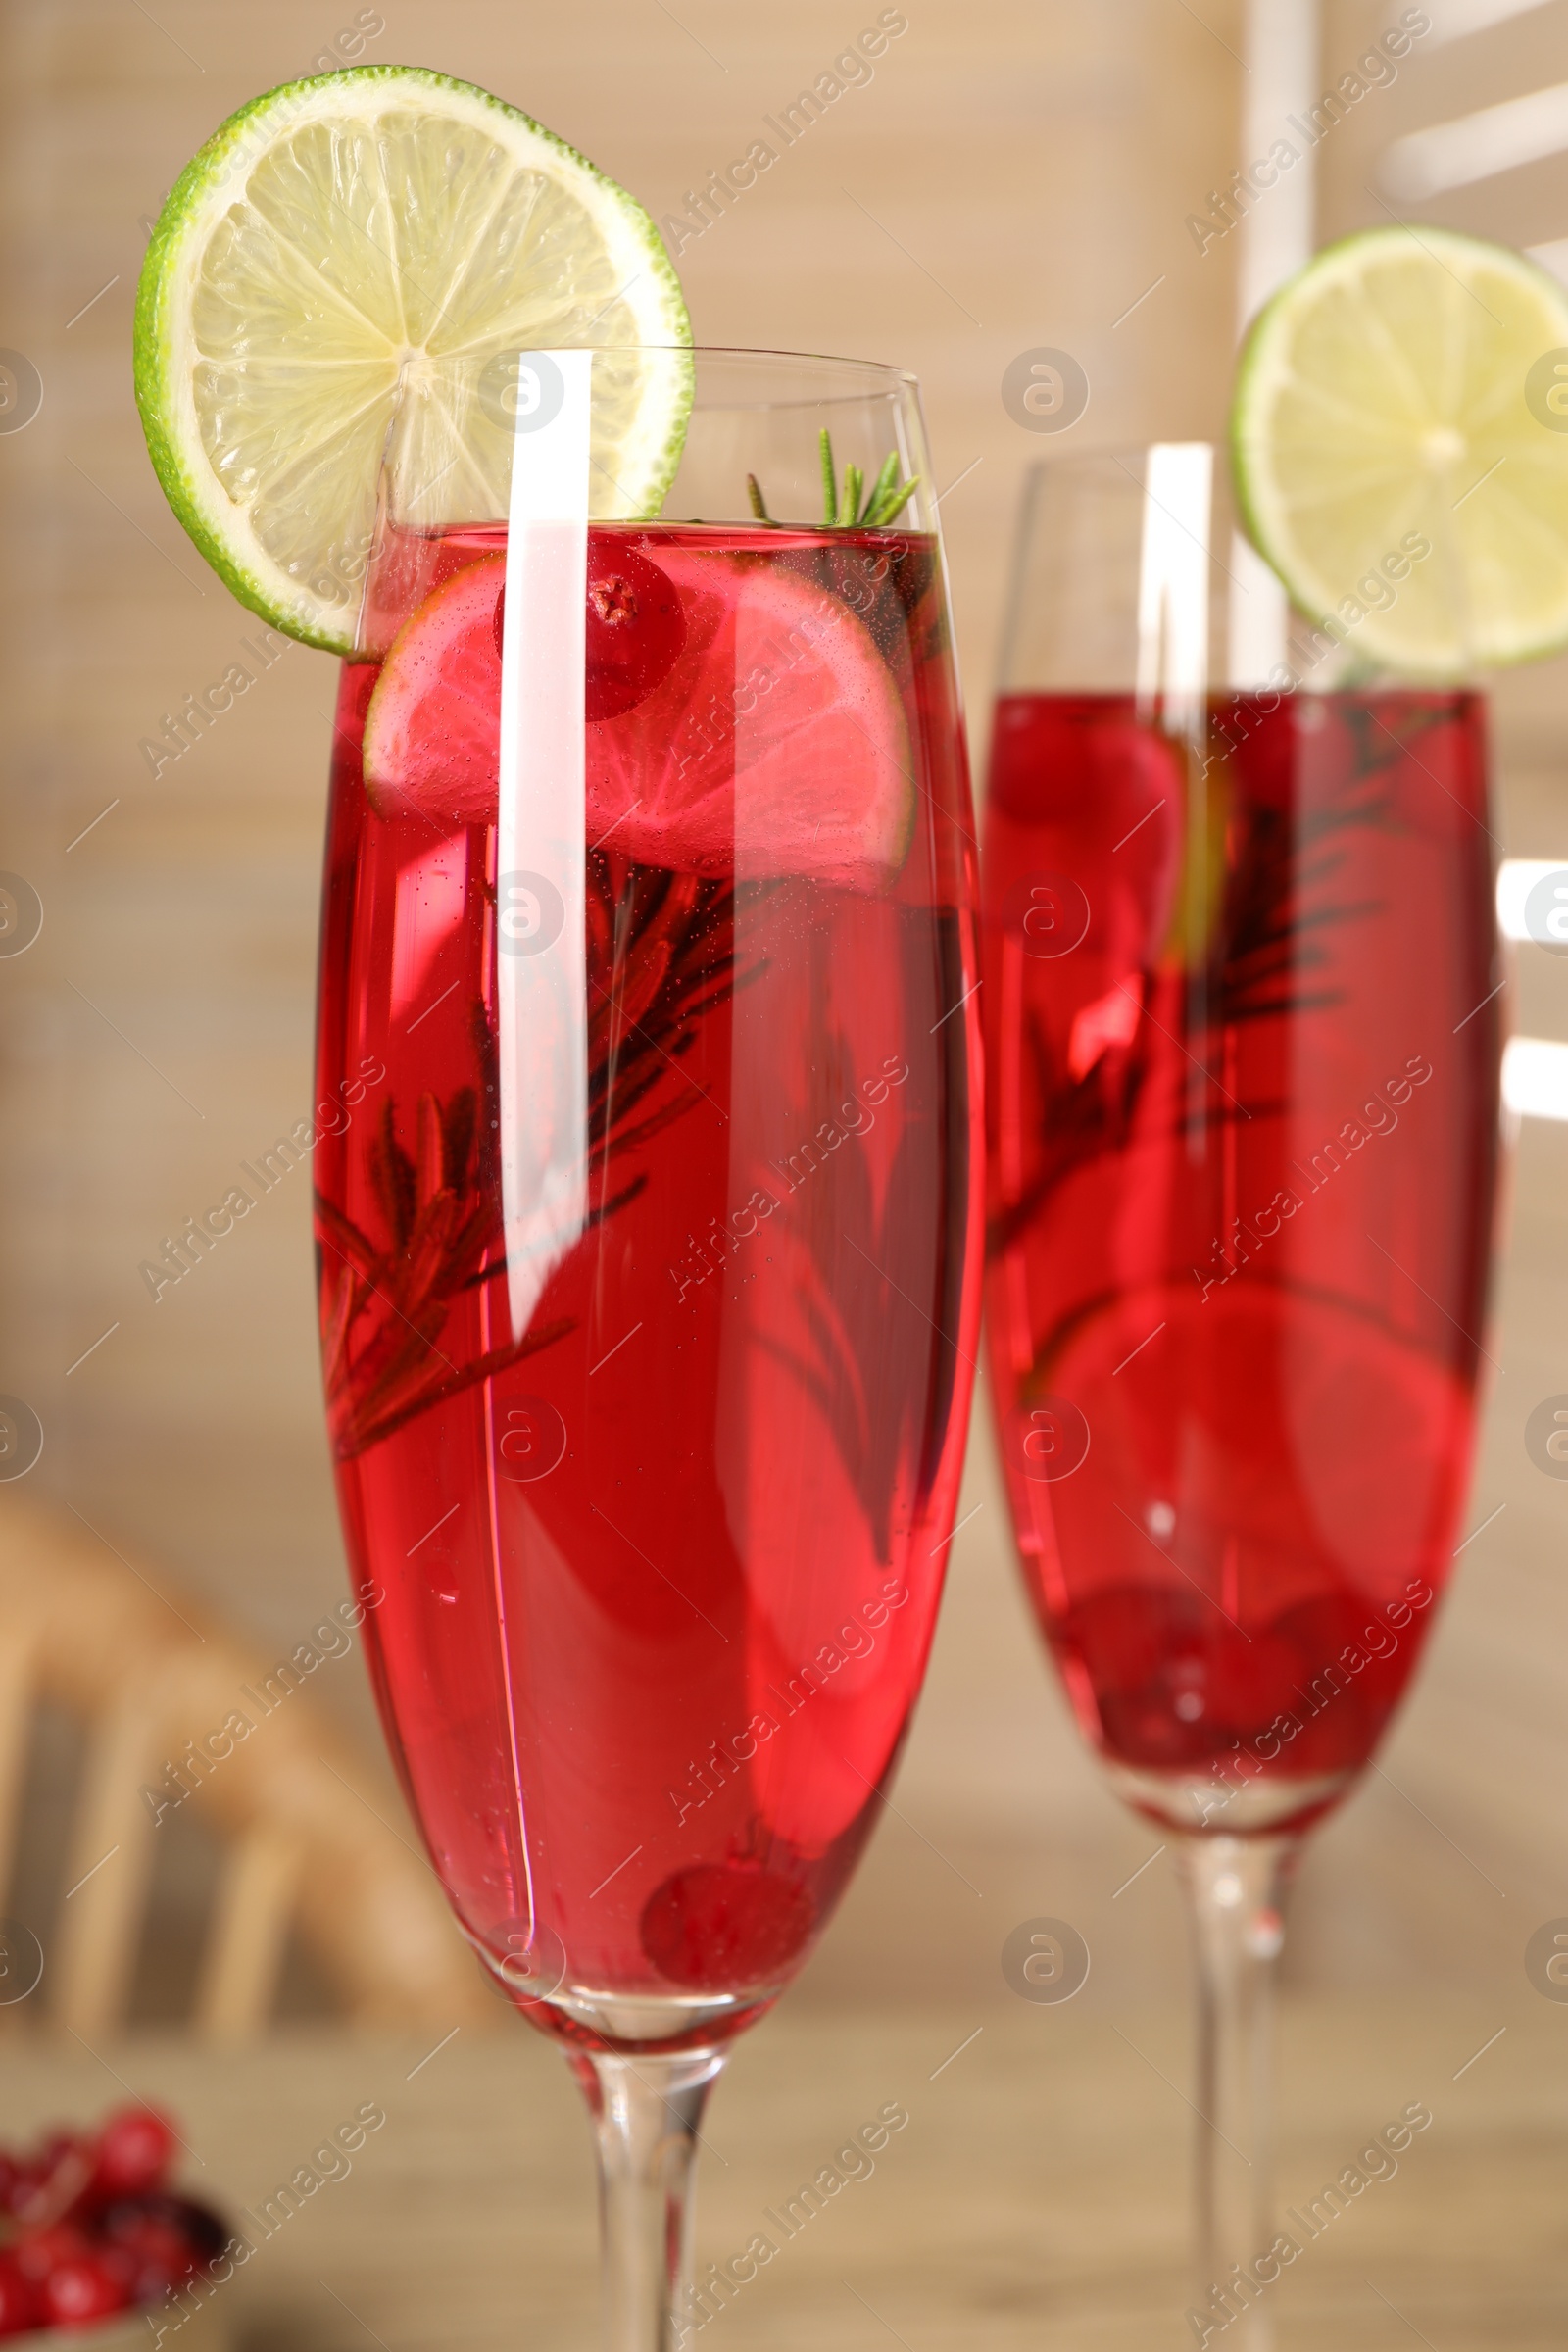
(1122, 451)
(880, 370)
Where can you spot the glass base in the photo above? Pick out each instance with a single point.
(613, 2022)
(1209, 1805)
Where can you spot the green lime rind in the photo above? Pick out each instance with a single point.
(198, 262)
(1382, 395)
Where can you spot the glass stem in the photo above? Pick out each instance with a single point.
(646, 2113)
(1235, 1892)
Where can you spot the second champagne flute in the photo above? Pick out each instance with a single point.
(1242, 1033)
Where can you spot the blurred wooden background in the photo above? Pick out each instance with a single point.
(1017, 173)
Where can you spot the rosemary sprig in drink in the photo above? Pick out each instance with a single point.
(883, 503)
(660, 957)
(846, 510)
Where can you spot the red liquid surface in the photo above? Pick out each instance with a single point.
(660, 1576)
(1242, 1107)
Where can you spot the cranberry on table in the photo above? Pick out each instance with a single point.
(51, 2184)
(85, 2288)
(37, 2252)
(96, 2231)
(134, 2149)
(164, 2238)
(24, 2190)
(154, 2247)
(20, 2304)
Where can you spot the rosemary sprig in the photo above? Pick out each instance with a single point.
(661, 956)
(1270, 956)
(854, 509)
(887, 499)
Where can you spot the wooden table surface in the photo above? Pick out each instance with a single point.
(1035, 2198)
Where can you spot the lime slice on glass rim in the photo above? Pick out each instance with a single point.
(1384, 398)
(339, 230)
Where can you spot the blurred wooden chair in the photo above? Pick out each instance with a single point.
(300, 1821)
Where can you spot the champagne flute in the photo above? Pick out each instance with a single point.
(649, 1246)
(1241, 1036)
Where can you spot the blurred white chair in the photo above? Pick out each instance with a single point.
(302, 1824)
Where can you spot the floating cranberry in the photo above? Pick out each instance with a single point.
(727, 1927)
(636, 629)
